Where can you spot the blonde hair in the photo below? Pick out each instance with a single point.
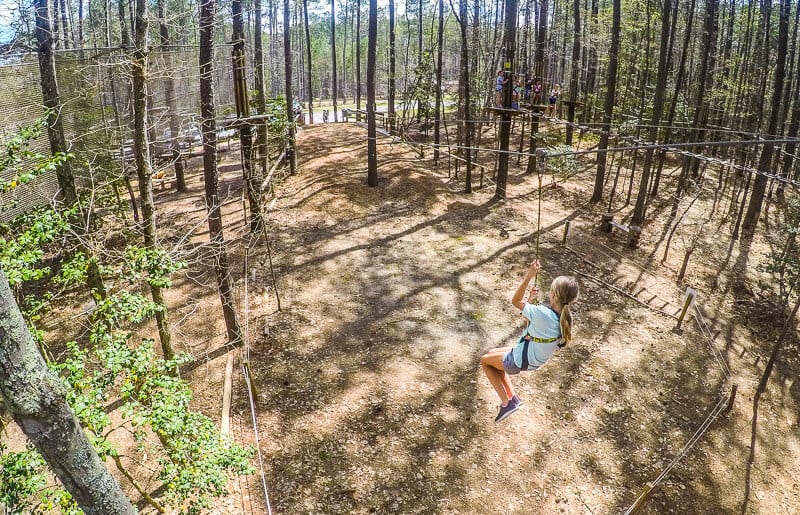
(565, 289)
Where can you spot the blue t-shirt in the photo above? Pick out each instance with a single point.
(542, 323)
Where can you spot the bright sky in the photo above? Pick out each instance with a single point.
(7, 10)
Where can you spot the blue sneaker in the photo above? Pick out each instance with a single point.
(519, 402)
(506, 411)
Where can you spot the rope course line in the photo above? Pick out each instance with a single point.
(246, 375)
(703, 325)
(671, 147)
(712, 416)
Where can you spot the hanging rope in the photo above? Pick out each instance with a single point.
(540, 171)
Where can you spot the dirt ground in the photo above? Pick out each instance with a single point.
(369, 394)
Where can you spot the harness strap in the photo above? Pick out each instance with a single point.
(525, 354)
(526, 340)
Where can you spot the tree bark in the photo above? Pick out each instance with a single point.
(37, 401)
(308, 58)
(608, 111)
(658, 107)
(261, 100)
(143, 168)
(574, 68)
(358, 54)
(509, 44)
(291, 151)
(172, 103)
(251, 178)
(372, 148)
(765, 162)
(438, 109)
(68, 194)
(52, 101)
(390, 115)
(464, 91)
(334, 85)
(210, 174)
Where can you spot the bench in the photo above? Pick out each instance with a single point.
(634, 232)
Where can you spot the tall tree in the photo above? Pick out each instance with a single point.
(52, 101)
(210, 173)
(358, 55)
(309, 93)
(261, 96)
(36, 399)
(291, 150)
(438, 108)
(372, 147)
(509, 44)
(169, 96)
(611, 92)
(464, 90)
(68, 194)
(143, 166)
(765, 161)
(658, 107)
(334, 85)
(251, 177)
(390, 114)
(704, 81)
(574, 69)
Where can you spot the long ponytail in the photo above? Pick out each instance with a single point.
(566, 290)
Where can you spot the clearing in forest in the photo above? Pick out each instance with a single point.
(369, 394)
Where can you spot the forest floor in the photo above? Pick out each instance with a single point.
(369, 394)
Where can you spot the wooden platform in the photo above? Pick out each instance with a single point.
(505, 111)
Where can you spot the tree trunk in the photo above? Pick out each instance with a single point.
(334, 85)
(210, 174)
(143, 169)
(704, 82)
(372, 148)
(124, 32)
(390, 115)
(37, 401)
(172, 103)
(538, 73)
(358, 54)
(765, 162)
(464, 90)
(658, 107)
(438, 109)
(260, 85)
(68, 194)
(251, 178)
(574, 69)
(676, 93)
(608, 111)
(291, 151)
(308, 52)
(509, 43)
(55, 129)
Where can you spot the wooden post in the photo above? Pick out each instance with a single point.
(566, 232)
(690, 293)
(634, 232)
(225, 425)
(605, 222)
(649, 488)
(731, 398)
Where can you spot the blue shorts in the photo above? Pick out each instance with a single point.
(509, 365)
